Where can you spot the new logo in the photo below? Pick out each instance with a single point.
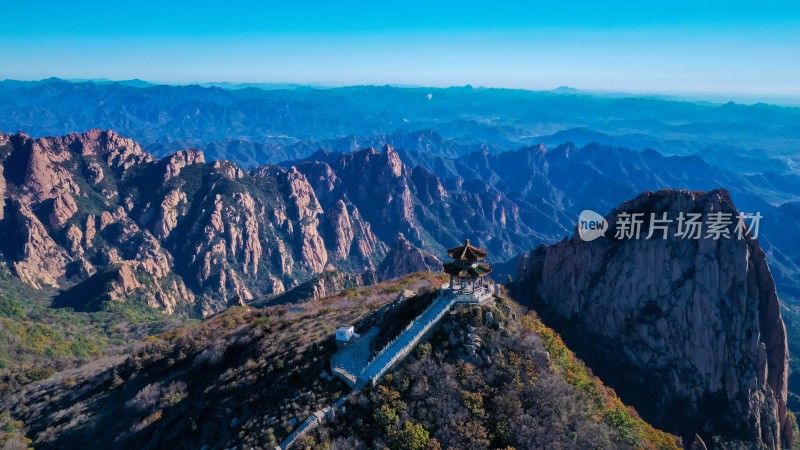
(591, 225)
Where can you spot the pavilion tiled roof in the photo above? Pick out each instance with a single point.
(466, 252)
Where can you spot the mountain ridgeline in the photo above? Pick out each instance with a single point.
(92, 212)
(485, 379)
(253, 126)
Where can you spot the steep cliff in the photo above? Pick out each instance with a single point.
(64, 218)
(688, 330)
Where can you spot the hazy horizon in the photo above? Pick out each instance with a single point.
(720, 98)
(678, 48)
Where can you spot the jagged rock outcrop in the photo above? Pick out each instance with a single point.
(63, 209)
(53, 240)
(351, 235)
(342, 230)
(229, 169)
(403, 258)
(168, 215)
(74, 240)
(323, 179)
(365, 244)
(228, 231)
(130, 282)
(3, 142)
(116, 152)
(42, 163)
(324, 284)
(394, 198)
(89, 231)
(276, 285)
(689, 331)
(328, 284)
(303, 209)
(40, 262)
(96, 202)
(377, 183)
(174, 163)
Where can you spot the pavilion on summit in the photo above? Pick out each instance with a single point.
(466, 270)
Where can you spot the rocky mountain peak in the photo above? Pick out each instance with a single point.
(217, 231)
(118, 152)
(403, 257)
(562, 152)
(174, 163)
(393, 161)
(674, 322)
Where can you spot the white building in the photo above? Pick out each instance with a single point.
(345, 333)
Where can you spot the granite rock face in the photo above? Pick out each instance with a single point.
(40, 261)
(185, 235)
(690, 331)
(352, 236)
(404, 257)
(391, 197)
(176, 233)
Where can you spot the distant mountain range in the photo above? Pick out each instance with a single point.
(253, 125)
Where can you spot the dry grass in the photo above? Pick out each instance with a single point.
(242, 377)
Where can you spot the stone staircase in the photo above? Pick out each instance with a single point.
(407, 340)
(395, 351)
(307, 424)
(312, 421)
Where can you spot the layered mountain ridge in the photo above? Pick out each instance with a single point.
(189, 235)
(183, 227)
(253, 126)
(372, 183)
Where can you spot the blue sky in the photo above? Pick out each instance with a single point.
(684, 47)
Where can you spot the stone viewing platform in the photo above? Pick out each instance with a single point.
(479, 295)
(468, 285)
(407, 340)
(350, 360)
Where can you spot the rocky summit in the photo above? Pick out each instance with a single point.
(404, 257)
(185, 235)
(689, 331)
(178, 233)
(249, 378)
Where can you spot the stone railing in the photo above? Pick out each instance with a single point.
(423, 323)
